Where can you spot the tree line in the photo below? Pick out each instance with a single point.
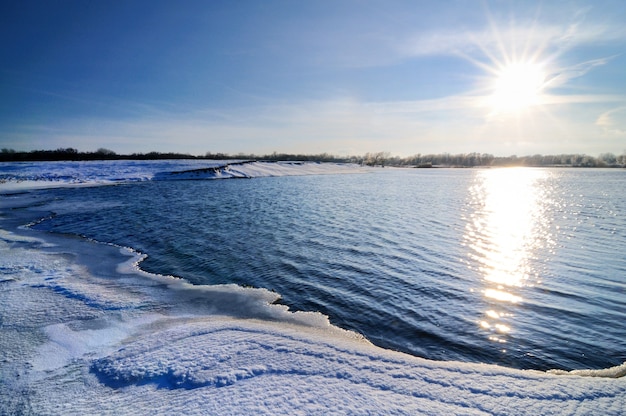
(369, 159)
(485, 159)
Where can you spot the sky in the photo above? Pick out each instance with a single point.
(344, 77)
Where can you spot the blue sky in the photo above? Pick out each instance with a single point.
(344, 77)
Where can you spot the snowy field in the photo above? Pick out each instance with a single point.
(84, 331)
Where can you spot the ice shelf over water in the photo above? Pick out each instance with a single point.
(84, 331)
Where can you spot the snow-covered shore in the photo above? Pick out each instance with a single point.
(18, 176)
(84, 331)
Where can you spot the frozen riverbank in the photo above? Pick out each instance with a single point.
(75, 343)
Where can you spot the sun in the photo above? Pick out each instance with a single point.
(517, 87)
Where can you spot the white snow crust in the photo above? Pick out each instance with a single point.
(19, 176)
(84, 331)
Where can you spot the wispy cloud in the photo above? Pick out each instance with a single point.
(516, 39)
(563, 75)
(613, 122)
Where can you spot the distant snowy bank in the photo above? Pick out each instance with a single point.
(16, 176)
(253, 169)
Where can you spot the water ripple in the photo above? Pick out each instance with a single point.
(518, 267)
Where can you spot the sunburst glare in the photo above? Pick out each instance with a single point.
(518, 70)
(517, 87)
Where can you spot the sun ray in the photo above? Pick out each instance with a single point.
(498, 38)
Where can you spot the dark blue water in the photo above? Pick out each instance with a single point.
(519, 267)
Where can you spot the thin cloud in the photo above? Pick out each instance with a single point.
(566, 74)
(613, 122)
(556, 38)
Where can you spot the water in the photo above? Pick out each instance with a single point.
(519, 267)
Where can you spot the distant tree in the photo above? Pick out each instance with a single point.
(105, 152)
(375, 159)
(608, 158)
(68, 151)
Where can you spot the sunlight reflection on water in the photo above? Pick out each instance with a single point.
(505, 234)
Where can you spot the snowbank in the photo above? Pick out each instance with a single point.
(253, 169)
(19, 176)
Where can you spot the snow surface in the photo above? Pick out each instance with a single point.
(84, 331)
(18, 176)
